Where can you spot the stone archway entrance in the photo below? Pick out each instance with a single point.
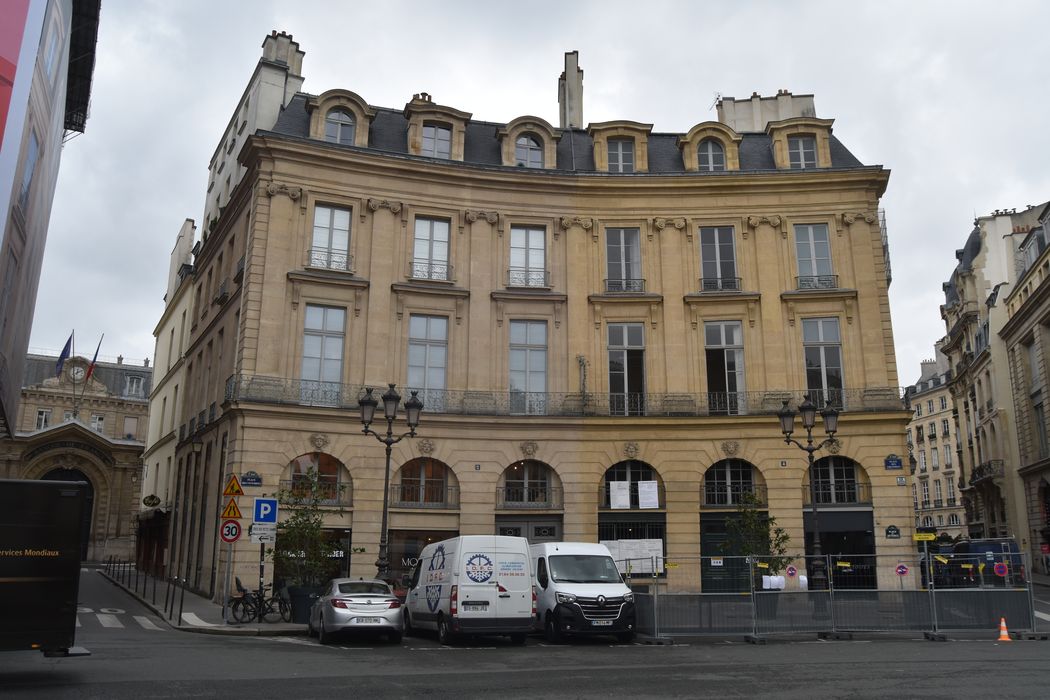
(64, 474)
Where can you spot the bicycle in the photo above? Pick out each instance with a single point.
(253, 605)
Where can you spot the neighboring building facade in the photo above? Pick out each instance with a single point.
(93, 431)
(975, 312)
(932, 446)
(1026, 336)
(171, 334)
(46, 63)
(601, 322)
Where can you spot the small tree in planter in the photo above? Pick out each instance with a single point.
(754, 534)
(302, 552)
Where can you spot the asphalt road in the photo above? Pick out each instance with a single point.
(136, 655)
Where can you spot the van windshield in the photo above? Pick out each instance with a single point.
(583, 568)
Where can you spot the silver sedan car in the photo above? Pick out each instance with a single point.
(357, 605)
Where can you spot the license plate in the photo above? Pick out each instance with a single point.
(475, 604)
(369, 620)
(602, 623)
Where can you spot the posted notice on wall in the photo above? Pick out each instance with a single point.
(648, 495)
(620, 495)
(638, 556)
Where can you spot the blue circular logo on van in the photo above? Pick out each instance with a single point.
(479, 568)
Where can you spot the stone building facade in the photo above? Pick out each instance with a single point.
(602, 323)
(77, 427)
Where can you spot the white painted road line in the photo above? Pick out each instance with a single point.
(192, 619)
(78, 620)
(109, 620)
(147, 623)
(1041, 615)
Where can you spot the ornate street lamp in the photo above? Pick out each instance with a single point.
(413, 407)
(808, 411)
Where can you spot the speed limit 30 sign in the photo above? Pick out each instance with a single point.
(230, 531)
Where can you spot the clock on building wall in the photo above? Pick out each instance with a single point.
(76, 373)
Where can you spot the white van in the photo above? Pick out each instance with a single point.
(580, 591)
(474, 584)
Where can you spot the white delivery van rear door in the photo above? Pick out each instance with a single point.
(476, 586)
(513, 584)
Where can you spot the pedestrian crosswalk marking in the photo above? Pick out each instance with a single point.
(192, 619)
(109, 620)
(147, 623)
(1042, 616)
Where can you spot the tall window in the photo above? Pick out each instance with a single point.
(918, 410)
(626, 369)
(823, 353)
(711, 156)
(931, 430)
(428, 358)
(528, 482)
(330, 487)
(133, 386)
(802, 152)
(953, 519)
(43, 418)
(631, 471)
(98, 422)
(528, 367)
(528, 259)
(935, 459)
(437, 141)
(724, 352)
(929, 406)
(727, 482)
(947, 457)
(835, 481)
(944, 405)
(944, 427)
(424, 482)
(28, 169)
(331, 240)
(914, 496)
(938, 492)
(528, 152)
(718, 259)
(339, 127)
(623, 260)
(922, 460)
(131, 427)
(813, 251)
(430, 249)
(925, 494)
(323, 339)
(621, 155)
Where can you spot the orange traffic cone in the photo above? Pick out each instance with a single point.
(1004, 635)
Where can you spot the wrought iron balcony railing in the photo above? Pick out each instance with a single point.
(329, 493)
(938, 503)
(331, 259)
(817, 282)
(522, 277)
(951, 502)
(720, 284)
(276, 390)
(732, 494)
(621, 286)
(844, 493)
(528, 497)
(424, 495)
(985, 471)
(430, 270)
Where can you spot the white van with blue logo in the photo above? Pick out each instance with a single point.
(473, 584)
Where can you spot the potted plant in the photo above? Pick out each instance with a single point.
(754, 534)
(302, 552)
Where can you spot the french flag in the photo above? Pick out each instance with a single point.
(94, 359)
(64, 356)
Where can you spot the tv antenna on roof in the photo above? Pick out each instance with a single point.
(718, 96)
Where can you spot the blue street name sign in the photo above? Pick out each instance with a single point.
(265, 510)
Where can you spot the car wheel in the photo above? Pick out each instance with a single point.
(551, 631)
(409, 629)
(625, 637)
(517, 639)
(444, 633)
(310, 626)
(322, 636)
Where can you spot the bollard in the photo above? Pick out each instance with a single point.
(135, 588)
(154, 589)
(168, 597)
(182, 601)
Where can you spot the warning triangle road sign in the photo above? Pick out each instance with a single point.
(233, 487)
(231, 510)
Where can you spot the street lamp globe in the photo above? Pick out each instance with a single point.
(367, 404)
(787, 419)
(413, 407)
(391, 399)
(831, 419)
(808, 411)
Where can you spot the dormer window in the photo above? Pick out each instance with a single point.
(528, 152)
(437, 141)
(802, 152)
(339, 127)
(711, 157)
(621, 155)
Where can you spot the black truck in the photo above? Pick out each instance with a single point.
(40, 524)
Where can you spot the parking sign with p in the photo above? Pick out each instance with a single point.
(265, 510)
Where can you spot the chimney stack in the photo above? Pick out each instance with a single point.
(570, 93)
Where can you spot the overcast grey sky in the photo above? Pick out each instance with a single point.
(951, 96)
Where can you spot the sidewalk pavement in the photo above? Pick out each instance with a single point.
(1040, 579)
(184, 609)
